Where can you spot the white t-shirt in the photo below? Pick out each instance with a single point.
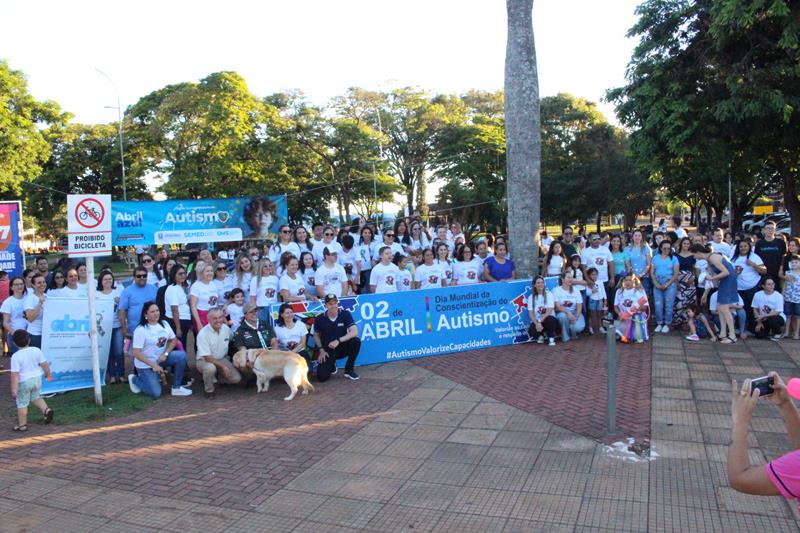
(555, 265)
(65, 292)
(319, 248)
(15, 308)
(288, 338)
(384, 277)
(545, 242)
(712, 302)
(681, 233)
(404, 281)
(467, 272)
(628, 300)
(152, 278)
(395, 247)
(309, 278)
(350, 258)
(598, 258)
(26, 361)
(296, 286)
(540, 304)
(568, 300)
(244, 285)
(151, 340)
(599, 294)
(265, 290)
(223, 286)
(749, 276)
(331, 279)
(176, 295)
(366, 252)
(428, 276)
(768, 303)
(114, 296)
(30, 301)
(278, 249)
(722, 248)
(578, 275)
(446, 269)
(206, 294)
(236, 312)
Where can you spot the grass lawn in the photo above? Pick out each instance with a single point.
(76, 407)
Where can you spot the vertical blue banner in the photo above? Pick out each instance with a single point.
(206, 220)
(12, 256)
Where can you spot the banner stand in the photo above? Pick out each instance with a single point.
(96, 377)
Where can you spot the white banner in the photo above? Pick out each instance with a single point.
(66, 343)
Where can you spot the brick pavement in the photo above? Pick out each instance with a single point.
(405, 449)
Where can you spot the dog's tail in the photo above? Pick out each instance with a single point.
(304, 377)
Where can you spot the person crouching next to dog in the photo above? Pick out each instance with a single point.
(253, 334)
(336, 334)
(292, 334)
(27, 366)
(212, 353)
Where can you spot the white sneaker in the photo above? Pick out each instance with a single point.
(591, 330)
(552, 342)
(132, 385)
(665, 329)
(181, 391)
(540, 340)
(602, 330)
(658, 329)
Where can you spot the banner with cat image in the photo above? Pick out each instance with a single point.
(142, 223)
(66, 344)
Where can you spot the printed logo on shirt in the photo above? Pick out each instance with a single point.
(390, 280)
(599, 261)
(767, 309)
(162, 341)
(627, 302)
(311, 280)
(212, 300)
(566, 303)
(471, 274)
(406, 282)
(433, 280)
(541, 310)
(291, 345)
(301, 291)
(448, 274)
(270, 292)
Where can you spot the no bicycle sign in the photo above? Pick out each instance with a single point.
(89, 225)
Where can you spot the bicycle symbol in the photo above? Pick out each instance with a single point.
(89, 212)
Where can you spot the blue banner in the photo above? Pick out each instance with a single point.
(422, 323)
(187, 221)
(12, 256)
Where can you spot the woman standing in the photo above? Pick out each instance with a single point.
(620, 255)
(467, 269)
(665, 277)
(724, 278)
(149, 264)
(541, 310)
(164, 268)
(107, 289)
(687, 288)
(301, 238)
(13, 310)
(428, 275)
(222, 281)
(34, 309)
(284, 244)
(366, 253)
(639, 257)
(308, 269)
(153, 349)
(555, 260)
(57, 282)
(176, 303)
(292, 334)
(292, 285)
(419, 241)
(499, 267)
(749, 269)
(202, 297)
(264, 289)
(402, 235)
(243, 273)
(443, 262)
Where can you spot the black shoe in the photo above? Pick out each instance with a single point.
(211, 395)
(335, 370)
(351, 375)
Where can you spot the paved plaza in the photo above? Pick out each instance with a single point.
(499, 440)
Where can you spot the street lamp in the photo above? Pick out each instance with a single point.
(119, 122)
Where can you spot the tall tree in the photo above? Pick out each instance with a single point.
(523, 136)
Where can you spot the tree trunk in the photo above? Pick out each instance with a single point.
(791, 202)
(523, 138)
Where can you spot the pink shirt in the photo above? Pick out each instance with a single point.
(784, 473)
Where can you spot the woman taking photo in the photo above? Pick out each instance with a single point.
(176, 303)
(202, 297)
(687, 290)
(665, 278)
(107, 289)
(724, 278)
(499, 267)
(153, 350)
(541, 310)
(467, 269)
(292, 334)
(749, 269)
(554, 260)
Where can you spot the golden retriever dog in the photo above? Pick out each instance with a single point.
(272, 363)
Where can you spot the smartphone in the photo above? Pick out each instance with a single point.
(763, 384)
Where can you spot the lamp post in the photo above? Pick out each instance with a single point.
(380, 148)
(119, 123)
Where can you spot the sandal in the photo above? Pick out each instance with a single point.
(48, 415)
(726, 340)
(23, 427)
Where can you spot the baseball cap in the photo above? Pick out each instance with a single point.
(329, 251)
(249, 306)
(330, 297)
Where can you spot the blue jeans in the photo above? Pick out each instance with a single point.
(12, 348)
(116, 360)
(570, 331)
(739, 320)
(150, 382)
(664, 300)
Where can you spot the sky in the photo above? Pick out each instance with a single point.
(319, 47)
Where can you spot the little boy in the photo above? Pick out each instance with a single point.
(596, 293)
(26, 379)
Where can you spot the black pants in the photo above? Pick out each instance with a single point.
(771, 326)
(747, 298)
(347, 349)
(549, 325)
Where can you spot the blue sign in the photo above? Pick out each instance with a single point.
(422, 323)
(12, 256)
(187, 221)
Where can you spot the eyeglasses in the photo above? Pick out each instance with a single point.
(328, 234)
(141, 276)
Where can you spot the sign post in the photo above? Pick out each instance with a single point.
(89, 236)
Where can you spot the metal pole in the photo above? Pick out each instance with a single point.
(119, 121)
(374, 187)
(730, 200)
(98, 391)
(612, 379)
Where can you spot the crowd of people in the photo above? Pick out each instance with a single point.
(637, 282)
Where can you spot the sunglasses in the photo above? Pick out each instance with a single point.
(147, 260)
(141, 276)
(328, 234)
(390, 234)
(285, 231)
(221, 268)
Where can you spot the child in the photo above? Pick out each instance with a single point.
(405, 277)
(632, 308)
(791, 297)
(235, 310)
(699, 326)
(26, 379)
(597, 302)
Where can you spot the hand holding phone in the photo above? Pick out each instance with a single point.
(763, 384)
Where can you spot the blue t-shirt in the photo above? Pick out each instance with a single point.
(619, 261)
(663, 266)
(498, 271)
(638, 257)
(133, 299)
